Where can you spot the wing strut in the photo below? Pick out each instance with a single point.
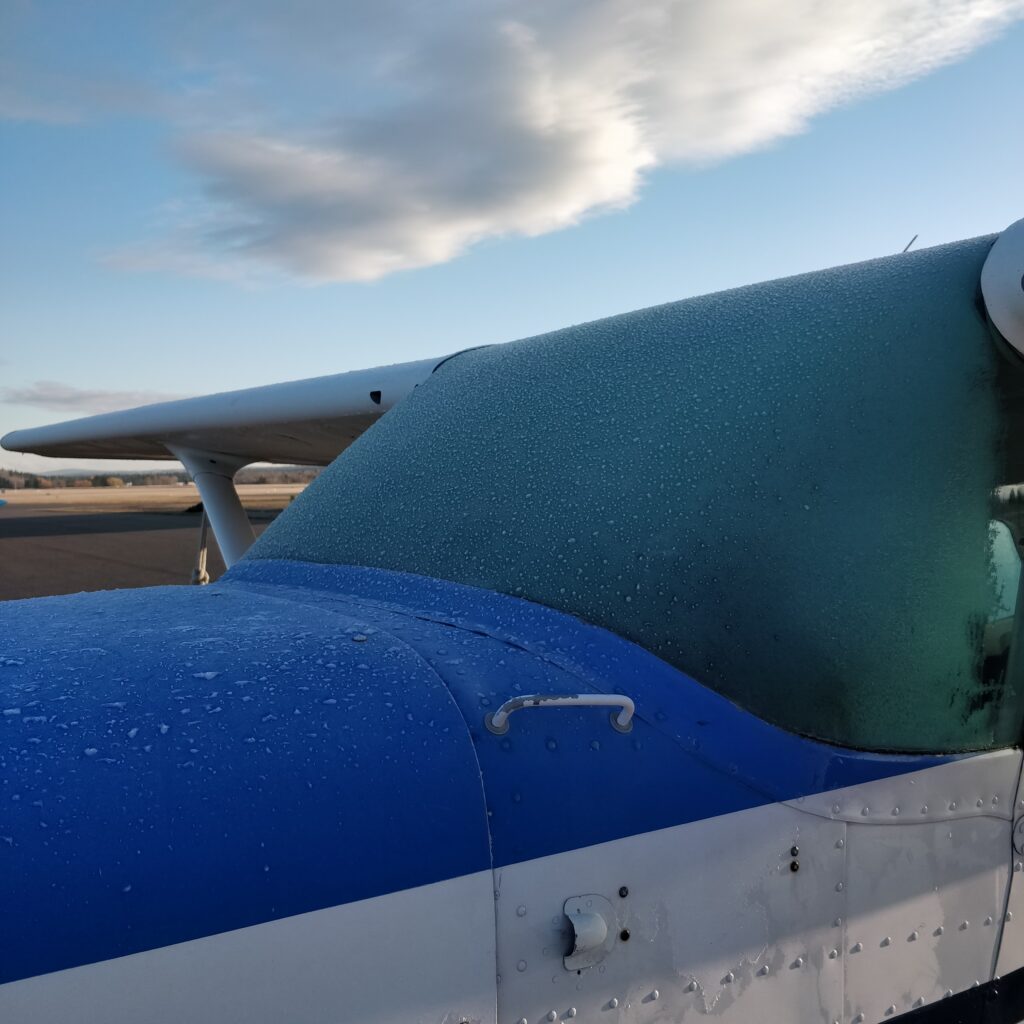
(214, 476)
(200, 577)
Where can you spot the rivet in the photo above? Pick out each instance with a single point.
(887, 941)
(939, 930)
(729, 978)
(890, 1009)
(912, 937)
(572, 1012)
(856, 947)
(919, 1001)
(840, 843)
(655, 995)
(794, 866)
(765, 969)
(859, 1019)
(977, 984)
(952, 806)
(552, 1015)
(835, 808)
(798, 962)
(980, 803)
(896, 812)
(995, 800)
(520, 911)
(839, 886)
(988, 920)
(523, 1020)
(623, 891)
(794, 851)
(964, 925)
(833, 953)
(521, 966)
(613, 1003)
(924, 809)
(1009, 915)
(692, 987)
(865, 811)
(837, 922)
(947, 993)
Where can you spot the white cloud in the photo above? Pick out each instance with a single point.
(51, 394)
(347, 141)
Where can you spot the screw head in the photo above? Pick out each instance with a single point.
(794, 865)
(794, 851)
(623, 891)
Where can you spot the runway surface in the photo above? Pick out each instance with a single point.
(72, 542)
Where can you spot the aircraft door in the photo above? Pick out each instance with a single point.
(926, 878)
(1011, 947)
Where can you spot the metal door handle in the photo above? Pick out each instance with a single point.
(622, 720)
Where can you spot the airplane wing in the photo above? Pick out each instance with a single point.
(307, 422)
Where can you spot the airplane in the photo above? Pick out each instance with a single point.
(661, 668)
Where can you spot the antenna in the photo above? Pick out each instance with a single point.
(910, 243)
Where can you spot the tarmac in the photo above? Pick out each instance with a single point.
(68, 540)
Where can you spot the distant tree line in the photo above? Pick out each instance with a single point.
(11, 480)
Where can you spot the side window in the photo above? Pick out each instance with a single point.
(1005, 625)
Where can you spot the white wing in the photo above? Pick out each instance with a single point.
(307, 422)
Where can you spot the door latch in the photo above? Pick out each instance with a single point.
(594, 930)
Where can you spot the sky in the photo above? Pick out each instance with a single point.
(202, 196)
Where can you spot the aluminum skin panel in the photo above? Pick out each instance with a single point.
(376, 961)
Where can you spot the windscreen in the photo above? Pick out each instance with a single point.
(800, 493)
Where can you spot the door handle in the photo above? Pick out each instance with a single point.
(622, 720)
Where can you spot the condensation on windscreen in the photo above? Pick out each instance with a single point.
(784, 490)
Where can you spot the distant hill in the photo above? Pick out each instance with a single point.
(12, 480)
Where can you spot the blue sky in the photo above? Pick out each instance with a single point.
(187, 207)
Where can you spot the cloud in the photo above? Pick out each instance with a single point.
(343, 142)
(51, 394)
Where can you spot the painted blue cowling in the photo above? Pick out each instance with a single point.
(178, 762)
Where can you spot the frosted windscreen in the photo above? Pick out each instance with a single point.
(784, 490)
